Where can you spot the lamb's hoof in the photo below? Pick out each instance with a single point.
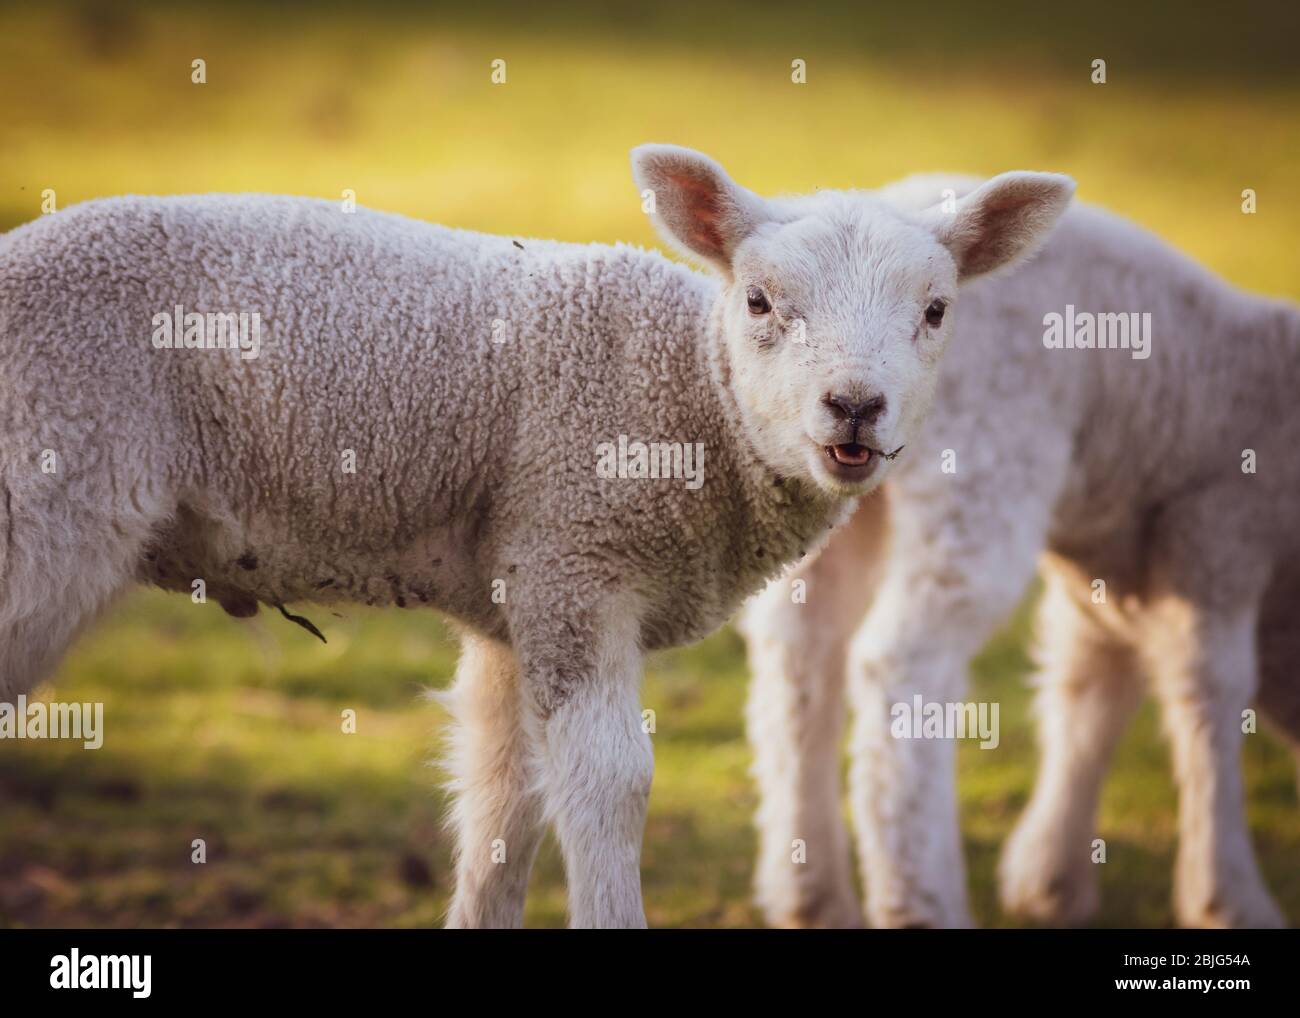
(828, 913)
(1037, 882)
(1252, 911)
(923, 915)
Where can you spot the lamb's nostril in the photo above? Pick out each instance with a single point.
(865, 411)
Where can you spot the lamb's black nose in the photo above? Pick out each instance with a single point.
(864, 411)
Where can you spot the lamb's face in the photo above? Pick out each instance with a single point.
(835, 308)
(834, 323)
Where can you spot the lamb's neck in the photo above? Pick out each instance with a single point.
(772, 519)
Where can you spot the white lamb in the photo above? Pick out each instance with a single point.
(1167, 470)
(423, 420)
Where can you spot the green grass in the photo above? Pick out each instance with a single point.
(231, 731)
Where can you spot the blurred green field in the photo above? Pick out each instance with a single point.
(230, 731)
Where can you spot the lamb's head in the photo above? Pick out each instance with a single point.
(837, 307)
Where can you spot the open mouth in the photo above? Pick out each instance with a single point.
(850, 454)
(850, 462)
(853, 462)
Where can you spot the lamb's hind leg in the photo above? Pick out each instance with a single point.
(1200, 641)
(1279, 662)
(798, 632)
(1090, 686)
(497, 811)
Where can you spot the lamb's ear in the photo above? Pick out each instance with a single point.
(696, 206)
(1001, 221)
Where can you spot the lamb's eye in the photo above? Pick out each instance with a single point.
(757, 299)
(934, 313)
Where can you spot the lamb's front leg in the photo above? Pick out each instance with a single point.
(797, 632)
(1090, 685)
(497, 810)
(804, 876)
(903, 791)
(585, 674)
(932, 613)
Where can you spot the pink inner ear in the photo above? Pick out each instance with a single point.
(702, 208)
(995, 232)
